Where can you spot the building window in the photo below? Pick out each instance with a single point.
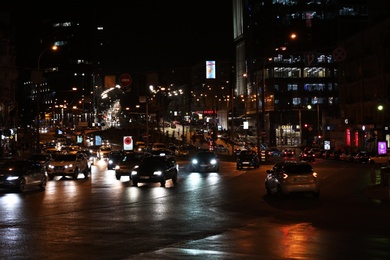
(292, 87)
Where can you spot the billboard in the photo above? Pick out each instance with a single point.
(210, 69)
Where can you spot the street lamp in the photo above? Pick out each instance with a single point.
(38, 81)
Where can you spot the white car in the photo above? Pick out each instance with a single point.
(69, 165)
(379, 159)
(292, 176)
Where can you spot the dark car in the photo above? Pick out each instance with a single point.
(248, 158)
(362, 157)
(41, 158)
(205, 161)
(113, 159)
(19, 174)
(155, 169)
(292, 176)
(307, 156)
(129, 160)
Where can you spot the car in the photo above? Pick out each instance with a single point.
(185, 150)
(20, 174)
(247, 158)
(205, 161)
(140, 146)
(41, 158)
(69, 165)
(361, 157)
(220, 148)
(307, 156)
(129, 160)
(291, 177)
(155, 169)
(379, 159)
(114, 158)
(158, 146)
(103, 152)
(288, 153)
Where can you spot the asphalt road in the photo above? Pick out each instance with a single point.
(223, 215)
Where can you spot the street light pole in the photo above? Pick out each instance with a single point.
(38, 82)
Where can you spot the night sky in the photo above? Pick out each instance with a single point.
(145, 34)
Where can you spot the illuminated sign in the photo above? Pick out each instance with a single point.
(382, 147)
(209, 112)
(210, 69)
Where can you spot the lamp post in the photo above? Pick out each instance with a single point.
(38, 81)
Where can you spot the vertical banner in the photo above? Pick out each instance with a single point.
(127, 143)
(210, 69)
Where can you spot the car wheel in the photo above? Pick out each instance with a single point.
(135, 183)
(22, 185)
(162, 183)
(279, 189)
(43, 183)
(118, 177)
(174, 178)
(86, 174)
(238, 167)
(75, 174)
(51, 176)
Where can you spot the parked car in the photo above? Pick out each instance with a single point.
(292, 176)
(158, 146)
(21, 174)
(41, 158)
(205, 161)
(247, 158)
(379, 159)
(69, 165)
(129, 160)
(155, 169)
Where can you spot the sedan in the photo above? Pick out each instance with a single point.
(129, 160)
(155, 169)
(292, 176)
(41, 158)
(248, 158)
(205, 161)
(19, 174)
(379, 159)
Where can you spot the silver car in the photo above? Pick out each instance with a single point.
(292, 176)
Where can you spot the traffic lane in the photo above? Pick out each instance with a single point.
(299, 226)
(102, 217)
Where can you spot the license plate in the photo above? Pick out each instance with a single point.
(245, 163)
(144, 177)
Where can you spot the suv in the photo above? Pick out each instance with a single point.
(292, 176)
(247, 158)
(69, 165)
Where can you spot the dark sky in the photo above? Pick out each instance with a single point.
(147, 33)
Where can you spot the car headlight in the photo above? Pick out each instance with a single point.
(69, 166)
(51, 166)
(117, 167)
(158, 173)
(12, 178)
(194, 161)
(110, 161)
(213, 161)
(134, 172)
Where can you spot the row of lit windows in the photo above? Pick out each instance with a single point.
(308, 72)
(299, 101)
(296, 59)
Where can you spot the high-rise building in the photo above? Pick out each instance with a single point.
(286, 65)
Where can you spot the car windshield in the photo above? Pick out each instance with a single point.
(65, 157)
(298, 168)
(205, 155)
(132, 157)
(37, 157)
(12, 166)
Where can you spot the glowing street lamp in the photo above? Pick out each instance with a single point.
(38, 81)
